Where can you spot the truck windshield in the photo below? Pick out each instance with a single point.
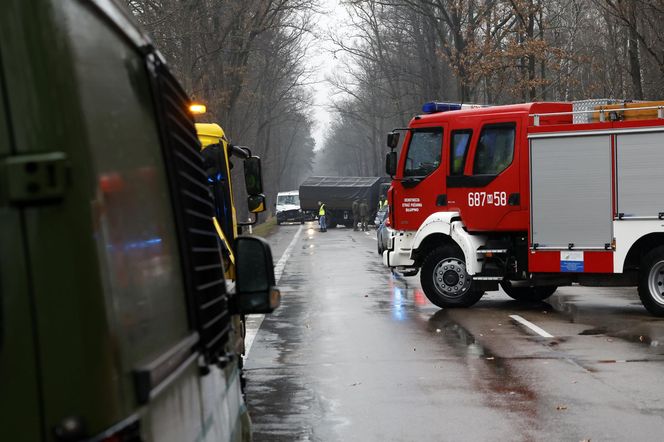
(424, 152)
(293, 200)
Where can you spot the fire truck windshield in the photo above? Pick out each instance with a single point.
(424, 152)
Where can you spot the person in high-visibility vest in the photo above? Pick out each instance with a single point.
(321, 217)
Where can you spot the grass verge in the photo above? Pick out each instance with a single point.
(266, 228)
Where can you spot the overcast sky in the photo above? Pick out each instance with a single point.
(333, 19)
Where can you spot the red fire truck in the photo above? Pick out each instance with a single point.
(529, 196)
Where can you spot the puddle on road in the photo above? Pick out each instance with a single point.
(500, 383)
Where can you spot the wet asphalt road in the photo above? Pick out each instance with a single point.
(355, 354)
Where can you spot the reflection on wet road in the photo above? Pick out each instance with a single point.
(355, 353)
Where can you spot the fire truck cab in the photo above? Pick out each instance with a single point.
(529, 196)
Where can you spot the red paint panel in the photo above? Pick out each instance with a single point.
(548, 261)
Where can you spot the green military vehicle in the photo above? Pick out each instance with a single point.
(115, 321)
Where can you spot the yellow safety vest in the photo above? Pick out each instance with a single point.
(321, 211)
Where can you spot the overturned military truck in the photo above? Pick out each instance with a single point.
(338, 194)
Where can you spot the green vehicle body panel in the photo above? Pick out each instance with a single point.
(20, 409)
(91, 284)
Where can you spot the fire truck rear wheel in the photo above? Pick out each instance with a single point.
(445, 280)
(651, 281)
(528, 293)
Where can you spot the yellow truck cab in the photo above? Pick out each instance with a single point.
(217, 152)
(211, 134)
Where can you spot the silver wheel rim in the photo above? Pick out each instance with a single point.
(656, 282)
(450, 278)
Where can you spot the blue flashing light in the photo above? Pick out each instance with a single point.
(216, 178)
(433, 107)
(136, 245)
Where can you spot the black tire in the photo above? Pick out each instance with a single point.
(302, 220)
(528, 293)
(651, 281)
(448, 288)
(278, 222)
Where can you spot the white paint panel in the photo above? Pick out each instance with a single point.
(571, 191)
(400, 255)
(640, 174)
(627, 232)
(223, 406)
(469, 245)
(175, 414)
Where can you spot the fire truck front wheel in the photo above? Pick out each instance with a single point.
(445, 280)
(528, 293)
(651, 281)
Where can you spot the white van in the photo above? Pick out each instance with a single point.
(288, 207)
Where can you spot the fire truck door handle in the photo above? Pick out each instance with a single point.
(514, 199)
(410, 182)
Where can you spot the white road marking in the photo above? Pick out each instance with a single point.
(540, 331)
(253, 322)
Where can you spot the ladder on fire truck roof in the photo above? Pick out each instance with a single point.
(583, 110)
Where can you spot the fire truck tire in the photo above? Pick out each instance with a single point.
(651, 281)
(445, 280)
(528, 293)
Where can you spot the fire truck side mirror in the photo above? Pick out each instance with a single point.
(393, 140)
(391, 163)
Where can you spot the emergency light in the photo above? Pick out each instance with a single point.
(197, 108)
(433, 107)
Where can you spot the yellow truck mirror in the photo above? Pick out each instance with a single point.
(256, 203)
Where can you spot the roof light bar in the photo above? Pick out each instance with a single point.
(433, 107)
